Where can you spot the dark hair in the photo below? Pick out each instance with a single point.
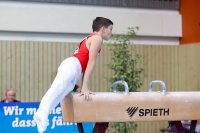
(75, 88)
(100, 22)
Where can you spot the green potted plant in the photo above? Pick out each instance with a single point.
(124, 67)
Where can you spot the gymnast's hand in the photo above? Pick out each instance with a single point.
(86, 93)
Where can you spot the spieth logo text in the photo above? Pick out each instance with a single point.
(147, 112)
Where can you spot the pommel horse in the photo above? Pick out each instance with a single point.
(115, 106)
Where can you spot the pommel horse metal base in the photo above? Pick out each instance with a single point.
(108, 107)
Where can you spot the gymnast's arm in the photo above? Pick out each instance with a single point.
(95, 43)
(82, 79)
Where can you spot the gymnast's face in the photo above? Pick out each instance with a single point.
(107, 32)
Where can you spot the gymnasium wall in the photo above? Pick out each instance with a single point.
(45, 21)
(30, 68)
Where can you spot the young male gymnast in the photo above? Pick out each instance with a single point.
(70, 70)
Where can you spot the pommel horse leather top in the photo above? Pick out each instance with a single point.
(134, 106)
(137, 106)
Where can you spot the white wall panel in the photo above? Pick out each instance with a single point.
(60, 18)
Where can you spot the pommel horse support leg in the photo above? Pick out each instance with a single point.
(133, 107)
(176, 126)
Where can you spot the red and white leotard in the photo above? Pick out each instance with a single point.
(82, 52)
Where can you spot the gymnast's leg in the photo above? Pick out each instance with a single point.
(63, 83)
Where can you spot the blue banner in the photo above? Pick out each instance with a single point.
(18, 118)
